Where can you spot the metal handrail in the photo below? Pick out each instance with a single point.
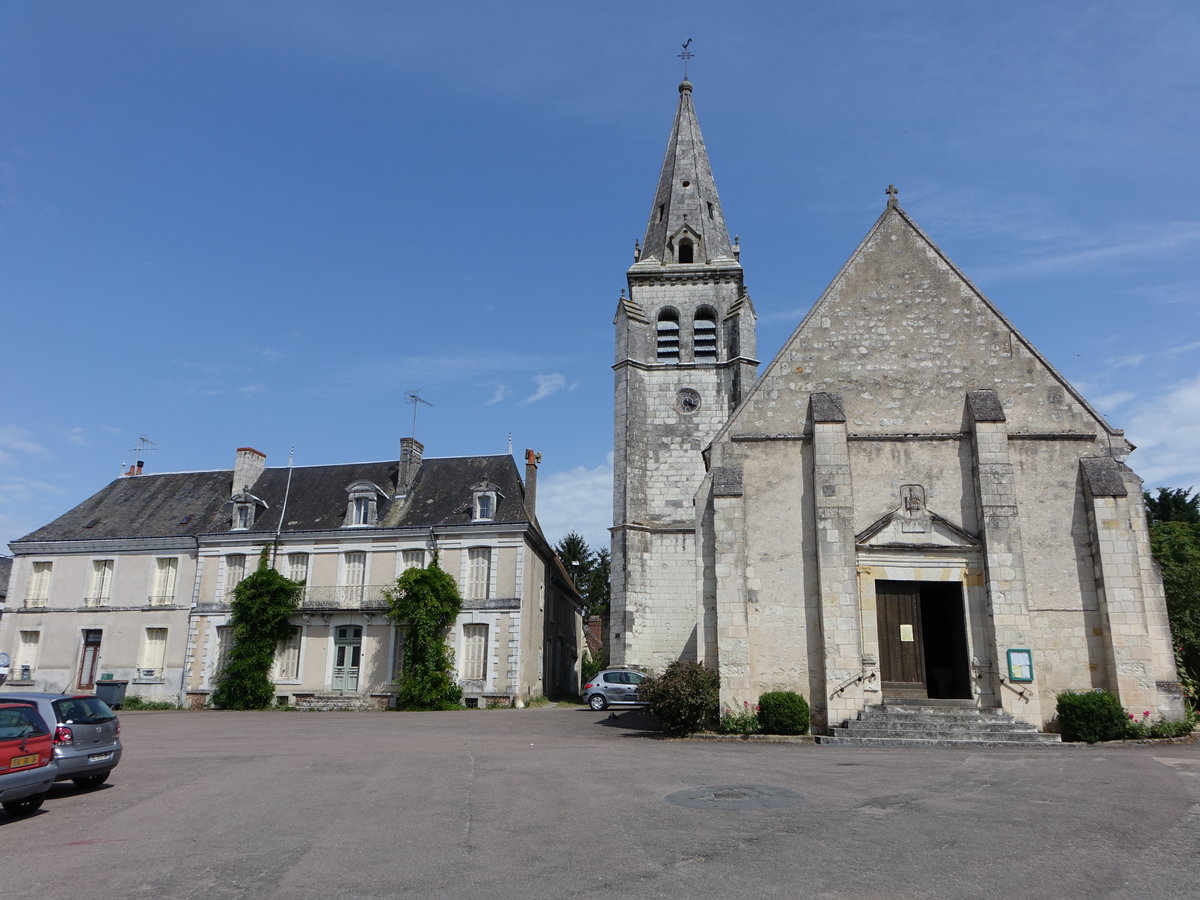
(345, 597)
(864, 675)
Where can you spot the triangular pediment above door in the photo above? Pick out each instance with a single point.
(911, 524)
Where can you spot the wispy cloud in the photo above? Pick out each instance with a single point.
(1167, 433)
(1109, 402)
(578, 499)
(15, 439)
(78, 436)
(547, 385)
(15, 489)
(1182, 348)
(1129, 361)
(498, 394)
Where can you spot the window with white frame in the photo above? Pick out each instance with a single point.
(166, 568)
(100, 591)
(474, 667)
(38, 591)
(25, 665)
(221, 656)
(485, 507)
(154, 653)
(355, 577)
(399, 635)
(297, 566)
(413, 559)
(362, 503)
(235, 572)
(243, 516)
(479, 573)
(287, 657)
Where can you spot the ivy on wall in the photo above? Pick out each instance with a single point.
(426, 602)
(262, 606)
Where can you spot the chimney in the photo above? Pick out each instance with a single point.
(249, 465)
(411, 452)
(531, 466)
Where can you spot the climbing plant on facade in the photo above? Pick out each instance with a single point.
(425, 603)
(261, 611)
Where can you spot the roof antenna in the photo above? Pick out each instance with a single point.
(414, 397)
(143, 444)
(685, 56)
(510, 443)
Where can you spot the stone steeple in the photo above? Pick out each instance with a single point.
(686, 199)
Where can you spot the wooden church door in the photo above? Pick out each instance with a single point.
(901, 650)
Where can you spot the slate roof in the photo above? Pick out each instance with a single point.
(195, 503)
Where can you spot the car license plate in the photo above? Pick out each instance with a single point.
(18, 761)
(100, 757)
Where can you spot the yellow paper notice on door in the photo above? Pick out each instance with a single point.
(906, 632)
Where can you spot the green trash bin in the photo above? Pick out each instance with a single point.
(111, 691)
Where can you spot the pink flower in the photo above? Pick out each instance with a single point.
(1131, 715)
(1146, 713)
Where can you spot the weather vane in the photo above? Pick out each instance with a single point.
(685, 56)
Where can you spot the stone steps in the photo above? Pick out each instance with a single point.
(943, 723)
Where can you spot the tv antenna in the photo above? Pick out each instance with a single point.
(414, 397)
(143, 444)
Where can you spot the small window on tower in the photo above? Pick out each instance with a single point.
(668, 336)
(662, 208)
(686, 250)
(710, 210)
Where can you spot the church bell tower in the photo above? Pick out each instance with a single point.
(685, 355)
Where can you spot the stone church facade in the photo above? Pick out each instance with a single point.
(910, 502)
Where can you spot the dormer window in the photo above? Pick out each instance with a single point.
(687, 250)
(245, 510)
(362, 504)
(485, 497)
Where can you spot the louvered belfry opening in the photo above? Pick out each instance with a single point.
(668, 336)
(704, 335)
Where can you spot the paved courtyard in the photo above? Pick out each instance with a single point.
(564, 802)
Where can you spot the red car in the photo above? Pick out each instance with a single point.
(26, 751)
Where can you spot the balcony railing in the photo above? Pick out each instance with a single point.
(161, 600)
(363, 596)
(35, 602)
(95, 601)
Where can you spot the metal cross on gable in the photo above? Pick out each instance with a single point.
(685, 56)
(892, 193)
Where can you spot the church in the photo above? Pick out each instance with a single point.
(908, 503)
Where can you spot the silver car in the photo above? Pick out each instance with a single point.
(87, 734)
(613, 687)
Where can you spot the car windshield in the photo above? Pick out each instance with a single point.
(83, 711)
(20, 721)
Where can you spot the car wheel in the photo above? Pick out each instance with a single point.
(597, 702)
(91, 781)
(26, 806)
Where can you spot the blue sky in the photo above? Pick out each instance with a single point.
(231, 224)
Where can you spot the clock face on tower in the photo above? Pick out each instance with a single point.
(687, 400)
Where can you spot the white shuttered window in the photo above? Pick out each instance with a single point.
(154, 653)
(479, 573)
(164, 581)
(474, 652)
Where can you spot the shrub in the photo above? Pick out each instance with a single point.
(783, 712)
(684, 698)
(590, 666)
(1091, 717)
(136, 702)
(1173, 729)
(743, 721)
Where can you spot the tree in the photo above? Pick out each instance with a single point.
(1173, 505)
(426, 602)
(261, 611)
(1175, 542)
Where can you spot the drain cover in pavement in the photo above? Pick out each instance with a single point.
(735, 796)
